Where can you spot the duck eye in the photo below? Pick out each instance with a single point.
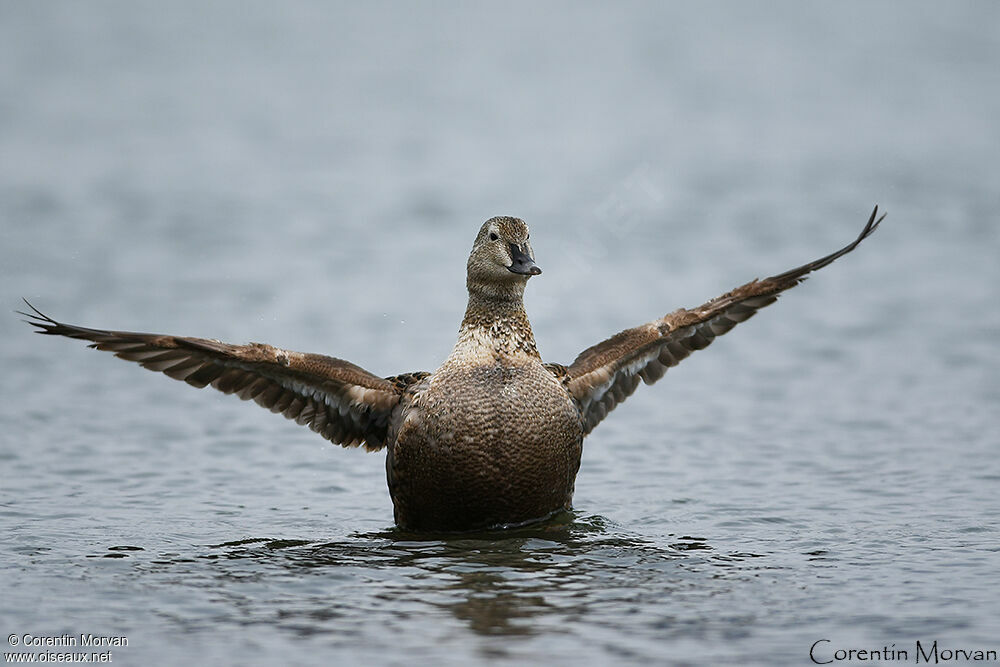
(493, 237)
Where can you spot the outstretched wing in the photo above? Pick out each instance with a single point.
(604, 375)
(342, 402)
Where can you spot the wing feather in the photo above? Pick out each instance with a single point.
(342, 402)
(606, 374)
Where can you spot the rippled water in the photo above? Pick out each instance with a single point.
(314, 176)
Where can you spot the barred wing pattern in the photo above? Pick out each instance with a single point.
(606, 374)
(342, 402)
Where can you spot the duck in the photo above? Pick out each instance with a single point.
(494, 437)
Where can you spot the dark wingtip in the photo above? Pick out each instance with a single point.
(799, 273)
(870, 227)
(873, 223)
(37, 318)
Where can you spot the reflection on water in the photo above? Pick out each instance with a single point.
(520, 581)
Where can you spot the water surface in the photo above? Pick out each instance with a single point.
(314, 176)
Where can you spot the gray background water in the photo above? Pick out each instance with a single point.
(312, 175)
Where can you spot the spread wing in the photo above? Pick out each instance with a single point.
(342, 402)
(606, 374)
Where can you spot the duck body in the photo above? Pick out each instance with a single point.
(494, 436)
(491, 444)
(489, 439)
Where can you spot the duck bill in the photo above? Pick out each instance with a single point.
(522, 263)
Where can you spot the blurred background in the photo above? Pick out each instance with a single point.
(312, 175)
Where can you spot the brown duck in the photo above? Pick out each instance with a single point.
(491, 438)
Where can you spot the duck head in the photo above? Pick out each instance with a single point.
(502, 259)
(502, 252)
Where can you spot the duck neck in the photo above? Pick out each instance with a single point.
(495, 319)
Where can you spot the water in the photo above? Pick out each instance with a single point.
(313, 176)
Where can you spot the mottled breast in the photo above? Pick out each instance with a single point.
(484, 445)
